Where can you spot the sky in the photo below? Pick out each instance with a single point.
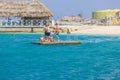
(61, 8)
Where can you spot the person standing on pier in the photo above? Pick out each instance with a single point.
(68, 33)
(47, 32)
(56, 31)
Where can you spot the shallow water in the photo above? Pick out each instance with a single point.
(97, 58)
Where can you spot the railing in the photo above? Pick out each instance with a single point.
(18, 29)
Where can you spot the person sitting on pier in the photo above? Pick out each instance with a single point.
(42, 39)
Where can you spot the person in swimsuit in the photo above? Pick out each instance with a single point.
(47, 32)
(42, 39)
(56, 31)
(51, 38)
(68, 31)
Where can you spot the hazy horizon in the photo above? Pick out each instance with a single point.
(62, 8)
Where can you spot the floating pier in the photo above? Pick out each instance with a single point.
(61, 42)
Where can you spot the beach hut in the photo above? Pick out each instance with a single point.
(29, 11)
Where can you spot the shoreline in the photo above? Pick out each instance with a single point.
(100, 30)
(76, 30)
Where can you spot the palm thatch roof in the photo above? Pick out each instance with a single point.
(24, 9)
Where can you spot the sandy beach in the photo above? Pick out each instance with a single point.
(99, 30)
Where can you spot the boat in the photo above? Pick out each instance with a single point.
(60, 42)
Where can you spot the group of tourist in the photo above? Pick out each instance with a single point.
(48, 36)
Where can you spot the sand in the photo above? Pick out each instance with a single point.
(99, 30)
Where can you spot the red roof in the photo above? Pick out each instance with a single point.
(72, 16)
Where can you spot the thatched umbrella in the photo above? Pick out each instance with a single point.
(24, 9)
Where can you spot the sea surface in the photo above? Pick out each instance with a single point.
(97, 58)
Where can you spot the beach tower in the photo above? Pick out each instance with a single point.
(102, 13)
(118, 16)
(30, 12)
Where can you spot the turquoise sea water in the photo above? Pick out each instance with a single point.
(97, 58)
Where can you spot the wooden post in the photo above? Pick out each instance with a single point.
(32, 29)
